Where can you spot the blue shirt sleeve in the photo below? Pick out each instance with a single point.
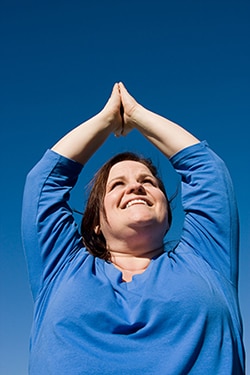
(211, 217)
(49, 231)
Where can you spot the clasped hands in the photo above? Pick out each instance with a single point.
(120, 110)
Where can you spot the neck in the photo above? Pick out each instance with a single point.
(139, 244)
(130, 264)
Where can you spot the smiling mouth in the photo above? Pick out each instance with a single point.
(136, 201)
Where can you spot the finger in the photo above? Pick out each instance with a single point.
(123, 90)
(126, 99)
(115, 91)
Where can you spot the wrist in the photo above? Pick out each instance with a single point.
(110, 121)
(136, 116)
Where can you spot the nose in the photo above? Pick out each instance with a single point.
(135, 188)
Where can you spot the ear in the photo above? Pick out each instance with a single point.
(97, 229)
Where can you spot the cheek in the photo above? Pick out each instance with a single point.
(164, 207)
(107, 204)
(106, 213)
(112, 200)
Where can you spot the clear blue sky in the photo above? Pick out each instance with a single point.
(188, 60)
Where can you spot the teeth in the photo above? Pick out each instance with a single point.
(135, 201)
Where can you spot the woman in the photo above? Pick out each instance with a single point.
(112, 301)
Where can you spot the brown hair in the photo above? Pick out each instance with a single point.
(92, 238)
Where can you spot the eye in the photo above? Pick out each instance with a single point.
(149, 180)
(115, 184)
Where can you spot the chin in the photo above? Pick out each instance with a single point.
(150, 226)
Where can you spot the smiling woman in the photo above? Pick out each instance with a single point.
(111, 300)
(116, 178)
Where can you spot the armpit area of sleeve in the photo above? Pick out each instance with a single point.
(63, 165)
(187, 152)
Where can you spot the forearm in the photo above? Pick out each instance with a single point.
(167, 136)
(163, 133)
(84, 140)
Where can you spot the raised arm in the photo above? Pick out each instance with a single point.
(84, 140)
(167, 136)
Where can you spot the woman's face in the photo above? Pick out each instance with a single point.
(133, 201)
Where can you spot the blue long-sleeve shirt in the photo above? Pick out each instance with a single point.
(179, 317)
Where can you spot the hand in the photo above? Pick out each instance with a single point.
(112, 111)
(120, 110)
(129, 106)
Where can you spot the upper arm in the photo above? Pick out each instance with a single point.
(211, 216)
(48, 229)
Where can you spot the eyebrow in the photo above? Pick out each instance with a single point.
(118, 178)
(141, 175)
